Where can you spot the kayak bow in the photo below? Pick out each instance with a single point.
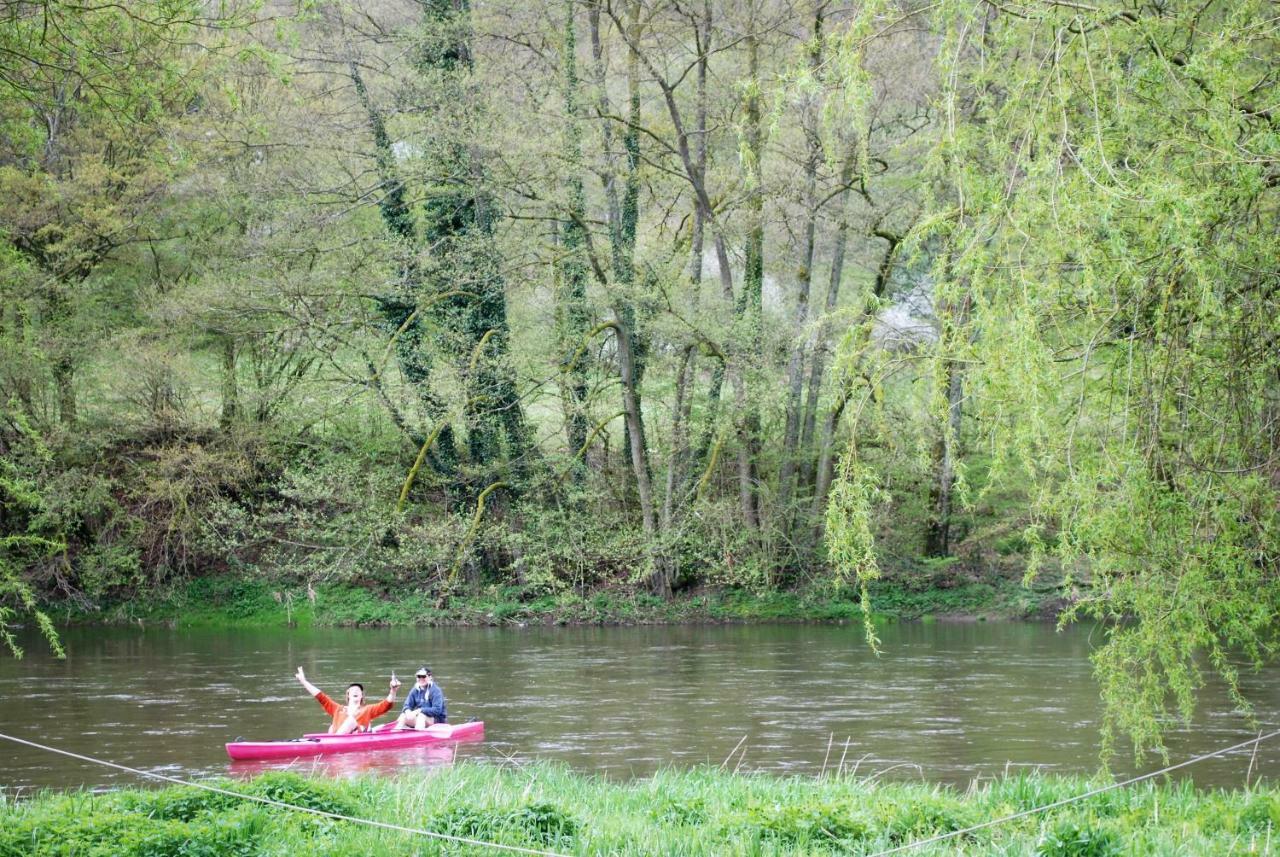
(383, 738)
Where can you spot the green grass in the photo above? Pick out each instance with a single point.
(697, 812)
(229, 601)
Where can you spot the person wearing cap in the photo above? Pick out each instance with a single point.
(424, 705)
(354, 716)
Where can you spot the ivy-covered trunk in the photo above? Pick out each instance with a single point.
(465, 279)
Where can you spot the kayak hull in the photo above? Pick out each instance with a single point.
(382, 739)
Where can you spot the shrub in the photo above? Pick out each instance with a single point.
(179, 804)
(808, 823)
(300, 791)
(1260, 813)
(924, 815)
(690, 813)
(1078, 838)
(465, 821)
(540, 823)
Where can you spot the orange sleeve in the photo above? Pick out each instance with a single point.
(375, 710)
(326, 703)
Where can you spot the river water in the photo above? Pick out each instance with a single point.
(946, 702)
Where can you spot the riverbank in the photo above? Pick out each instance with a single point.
(228, 601)
(696, 812)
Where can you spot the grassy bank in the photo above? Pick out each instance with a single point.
(227, 601)
(687, 813)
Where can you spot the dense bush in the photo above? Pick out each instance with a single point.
(1074, 837)
(542, 823)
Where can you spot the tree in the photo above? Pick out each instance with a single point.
(1112, 210)
(92, 98)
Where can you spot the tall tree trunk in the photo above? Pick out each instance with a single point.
(820, 348)
(458, 221)
(660, 578)
(937, 540)
(677, 469)
(623, 209)
(704, 35)
(625, 244)
(804, 278)
(64, 372)
(624, 235)
(826, 457)
(230, 384)
(825, 453)
(953, 318)
(751, 300)
(21, 380)
(609, 176)
(399, 307)
(572, 314)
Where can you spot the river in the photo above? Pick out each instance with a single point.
(945, 702)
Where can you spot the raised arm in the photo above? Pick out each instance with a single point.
(395, 685)
(311, 688)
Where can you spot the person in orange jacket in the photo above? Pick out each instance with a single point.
(354, 716)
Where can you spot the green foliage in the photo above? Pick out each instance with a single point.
(175, 822)
(298, 790)
(234, 600)
(692, 813)
(924, 815)
(1073, 837)
(701, 812)
(28, 537)
(850, 532)
(232, 387)
(241, 831)
(330, 519)
(1108, 289)
(1261, 815)
(542, 824)
(822, 825)
(1151, 285)
(575, 546)
(278, 319)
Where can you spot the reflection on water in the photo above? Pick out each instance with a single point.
(947, 702)
(356, 764)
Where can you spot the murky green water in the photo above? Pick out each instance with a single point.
(947, 702)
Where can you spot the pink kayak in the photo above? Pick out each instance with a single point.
(382, 738)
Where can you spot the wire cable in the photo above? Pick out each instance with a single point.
(919, 843)
(460, 840)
